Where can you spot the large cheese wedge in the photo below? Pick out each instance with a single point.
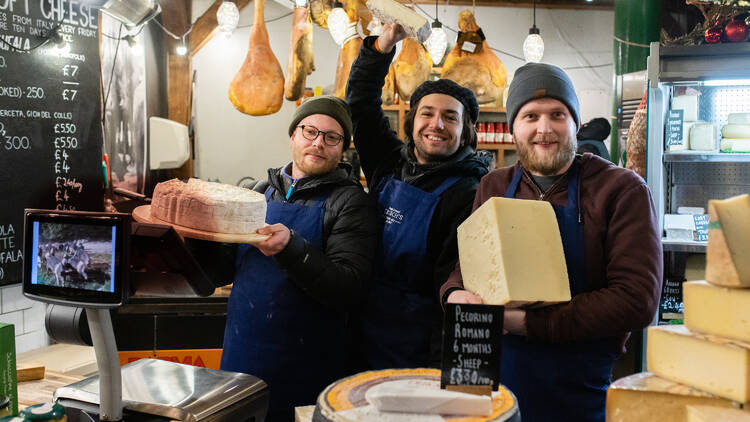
(738, 118)
(728, 254)
(390, 11)
(717, 310)
(703, 137)
(646, 397)
(710, 363)
(736, 131)
(716, 414)
(689, 105)
(734, 145)
(425, 396)
(511, 253)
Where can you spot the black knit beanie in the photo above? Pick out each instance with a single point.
(539, 80)
(329, 105)
(447, 87)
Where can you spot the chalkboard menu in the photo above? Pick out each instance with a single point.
(50, 124)
(472, 338)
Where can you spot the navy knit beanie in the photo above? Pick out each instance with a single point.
(448, 87)
(539, 80)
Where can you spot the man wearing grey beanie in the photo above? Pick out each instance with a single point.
(558, 359)
(288, 311)
(424, 187)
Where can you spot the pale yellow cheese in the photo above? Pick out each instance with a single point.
(710, 363)
(717, 310)
(734, 145)
(390, 11)
(688, 103)
(703, 137)
(511, 252)
(736, 131)
(716, 414)
(728, 251)
(738, 118)
(646, 397)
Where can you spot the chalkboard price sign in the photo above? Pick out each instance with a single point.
(50, 108)
(674, 127)
(472, 338)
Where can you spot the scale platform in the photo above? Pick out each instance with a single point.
(171, 391)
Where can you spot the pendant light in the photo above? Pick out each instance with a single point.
(533, 46)
(437, 43)
(338, 22)
(228, 16)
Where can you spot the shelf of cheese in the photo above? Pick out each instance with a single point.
(694, 246)
(705, 157)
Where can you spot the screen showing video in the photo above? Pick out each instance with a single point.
(77, 256)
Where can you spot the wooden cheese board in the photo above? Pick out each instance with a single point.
(142, 214)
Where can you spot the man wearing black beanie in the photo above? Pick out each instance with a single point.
(424, 188)
(558, 359)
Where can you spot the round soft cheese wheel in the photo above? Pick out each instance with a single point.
(736, 131)
(735, 145)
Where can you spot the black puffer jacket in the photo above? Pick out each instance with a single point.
(383, 154)
(336, 275)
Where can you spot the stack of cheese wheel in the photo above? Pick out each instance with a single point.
(735, 135)
(710, 354)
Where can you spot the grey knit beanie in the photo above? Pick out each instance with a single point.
(329, 105)
(539, 80)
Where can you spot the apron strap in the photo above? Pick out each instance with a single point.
(447, 183)
(511, 191)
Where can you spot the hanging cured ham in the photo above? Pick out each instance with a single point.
(300, 62)
(389, 86)
(412, 67)
(319, 11)
(471, 62)
(348, 52)
(258, 87)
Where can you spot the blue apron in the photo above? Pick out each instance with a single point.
(567, 381)
(399, 319)
(274, 330)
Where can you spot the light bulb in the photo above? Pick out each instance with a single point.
(533, 46)
(437, 43)
(181, 49)
(228, 16)
(338, 21)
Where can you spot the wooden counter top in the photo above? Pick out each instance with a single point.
(41, 391)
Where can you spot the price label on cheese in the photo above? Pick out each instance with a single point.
(472, 338)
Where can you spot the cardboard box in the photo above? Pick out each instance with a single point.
(8, 384)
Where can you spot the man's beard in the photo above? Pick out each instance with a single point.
(544, 164)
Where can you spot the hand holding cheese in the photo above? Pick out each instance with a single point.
(511, 253)
(280, 236)
(391, 35)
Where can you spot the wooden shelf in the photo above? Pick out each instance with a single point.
(405, 106)
(496, 146)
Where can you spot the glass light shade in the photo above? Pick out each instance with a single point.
(338, 21)
(533, 48)
(181, 50)
(228, 16)
(436, 44)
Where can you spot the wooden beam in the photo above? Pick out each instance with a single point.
(206, 26)
(176, 18)
(510, 3)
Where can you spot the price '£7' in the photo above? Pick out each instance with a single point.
(69, 94)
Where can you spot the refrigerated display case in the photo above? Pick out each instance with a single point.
(679, 175)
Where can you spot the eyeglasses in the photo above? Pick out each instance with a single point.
(329, 138)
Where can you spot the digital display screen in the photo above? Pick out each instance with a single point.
(76, 258)
(73, 255)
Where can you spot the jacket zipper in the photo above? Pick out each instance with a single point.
(291, 188)
(551, 188)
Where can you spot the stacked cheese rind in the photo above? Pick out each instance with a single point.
(500, 247)
(711, 352)
(209, 206)
(736, 133)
